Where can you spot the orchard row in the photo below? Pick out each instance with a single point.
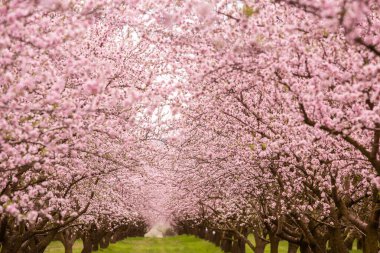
(237, 117)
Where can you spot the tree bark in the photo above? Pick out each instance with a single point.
(274, 242)
(68, 245)
(371, 240)
(360, 243)
(238, 245)
(260, 243)
(10, 246)
(304, 247)
(105, 242)
(292, 248)
(208, 235)
(68, 248)
(67, 238)
(217, 238)
(201, 232)
(336, 241)
(349, 240)
(226, 243)
(87, 245)
(45, 241)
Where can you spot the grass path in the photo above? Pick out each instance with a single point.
(177, 244)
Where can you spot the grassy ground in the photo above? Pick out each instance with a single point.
(57, 247)
(177, 244)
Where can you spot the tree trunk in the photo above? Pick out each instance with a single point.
(67, 238)
(336, 241)
(318, 248)
(114, 237)
(95, 244)
(319, 244)
(201, 232)
(292, 248)
(360, 243)
(87, 245)
(371, 240)
(304, 247)
(105, 242)
(102, 243)
(217, 238)
(95, 239)
(68, 248)
(241, 243)
(260, 243)
(44, 241)
(238, 245)
(226, 243)
(349, 240)
(208, 235)
(3, 227)
(274, 242)
(68, 245)
(10, 246)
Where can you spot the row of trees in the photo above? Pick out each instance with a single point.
(74, 78)
(279, 130)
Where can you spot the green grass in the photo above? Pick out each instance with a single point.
(176, 244)
(57, 247)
